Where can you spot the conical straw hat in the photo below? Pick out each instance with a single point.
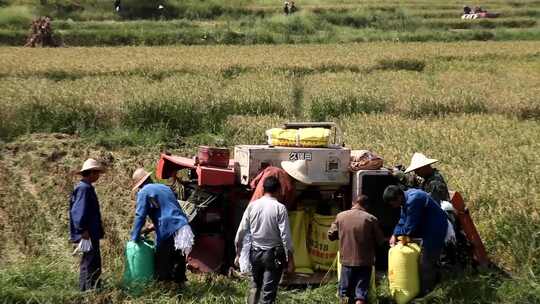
(298, 170)
(419, 160)
(91, 164)
(139, 176)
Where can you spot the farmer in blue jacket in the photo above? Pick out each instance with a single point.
(174, 237)
(421, 217)
(85, 223)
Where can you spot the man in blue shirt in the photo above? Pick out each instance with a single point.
(174, 237)
(85, 223)
(421, 217)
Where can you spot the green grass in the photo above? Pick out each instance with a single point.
(93, 23)
(15, 17)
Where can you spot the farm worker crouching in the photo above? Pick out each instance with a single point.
(359, 234)
(432, 180)
(421, 217)
(86, 227)
(267, 221)
(174, 238)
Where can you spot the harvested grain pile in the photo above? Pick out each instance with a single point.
(41, 34)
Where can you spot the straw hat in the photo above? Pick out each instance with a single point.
(91, 164)
(298, 169)
(419, 160)
(139, 176)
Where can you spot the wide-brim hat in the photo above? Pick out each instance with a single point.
(139, 177)
(91, 165)
(419, 160)
(298, 169)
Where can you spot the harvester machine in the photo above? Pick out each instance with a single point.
(214, 190)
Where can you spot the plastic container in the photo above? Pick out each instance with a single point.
(139, 267)
(211, 156)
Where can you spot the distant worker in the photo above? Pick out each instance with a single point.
(86, 225)
(267, 221)
(293, 9)
(421, 217)
(431, 179)
(478, 9)
(174, 238)
(359, 235)
(466, 10)
(117, 4)
(286, 9)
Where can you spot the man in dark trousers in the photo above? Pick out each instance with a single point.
(267, 221)
(359, 234)
(421, 217)
(174, 238)
(85, 223)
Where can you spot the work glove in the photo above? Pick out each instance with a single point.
(404, 239)
(85, 245)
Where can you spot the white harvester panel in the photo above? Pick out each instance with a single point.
(323, 166)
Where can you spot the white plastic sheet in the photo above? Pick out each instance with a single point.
(450, 234)
(447, 206)
(184, 239)
(245, 264)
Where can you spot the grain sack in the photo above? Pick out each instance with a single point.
(403, 272)
(299, 226)
(305, 137)
(321, 250)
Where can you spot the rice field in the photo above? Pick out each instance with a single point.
(475, 105)
(194, 89)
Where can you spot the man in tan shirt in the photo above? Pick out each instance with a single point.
(359, 234)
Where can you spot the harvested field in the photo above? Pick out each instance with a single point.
(492, 159)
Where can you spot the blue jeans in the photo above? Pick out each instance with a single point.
(354, 282)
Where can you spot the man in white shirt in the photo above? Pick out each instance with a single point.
(267, 221)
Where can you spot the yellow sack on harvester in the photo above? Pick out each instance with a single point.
(304, 137)
(403, 272)
(299, 221)
(321, 250)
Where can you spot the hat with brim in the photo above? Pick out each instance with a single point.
(298, 169)
(139, 177)
(419, 160)
(91, 165)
